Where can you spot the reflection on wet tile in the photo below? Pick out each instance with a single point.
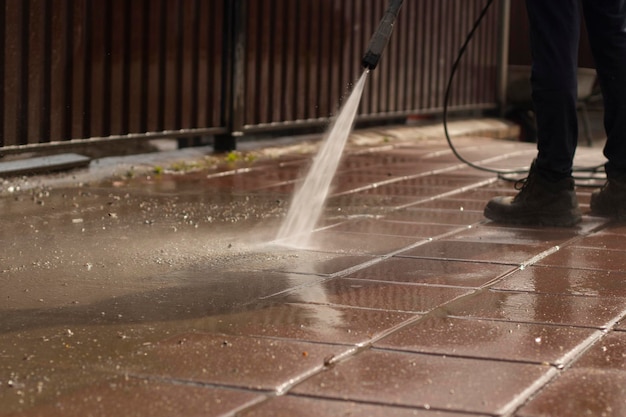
(433, 271)
(607, 354)
(555, 280)
(511, 235)
(416, 380)
(580, 392)
(307, 262)
(256, 179)
(124, 397)
(421, 214)
(355, 243)
(224, 293)
(588, 225)
(616, 228)
(246, 362)
(409, 193)
(455, 205)
(377, 295)
(442, 180)
(392, 228)
(26, 383)
(587, 258)
(477, 251)
(349, 181)
(486, 193)
(290, 406)
(540, 308)
(349, 206)
(603, 240)
(309, 322)
(365, 202)
(487, 339)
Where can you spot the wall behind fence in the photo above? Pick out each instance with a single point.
(120, 69)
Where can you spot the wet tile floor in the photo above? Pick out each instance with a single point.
(407, 303)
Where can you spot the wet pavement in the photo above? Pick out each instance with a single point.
(164, 293)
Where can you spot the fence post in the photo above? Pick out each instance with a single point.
(234, 72)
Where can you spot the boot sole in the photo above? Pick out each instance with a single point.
(565, 219)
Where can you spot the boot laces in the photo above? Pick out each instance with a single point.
(523, 185)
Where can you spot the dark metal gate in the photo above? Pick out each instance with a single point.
(102, 70)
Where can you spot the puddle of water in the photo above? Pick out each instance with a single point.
(308, 201)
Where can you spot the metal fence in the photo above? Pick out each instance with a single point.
(101, 70)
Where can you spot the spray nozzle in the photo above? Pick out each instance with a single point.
(381, 36)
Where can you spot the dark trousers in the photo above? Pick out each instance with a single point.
(554, 36)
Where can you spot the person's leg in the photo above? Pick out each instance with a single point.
(606, 24)
(548, 196)
(554, 36)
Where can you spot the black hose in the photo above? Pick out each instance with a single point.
(501, 173)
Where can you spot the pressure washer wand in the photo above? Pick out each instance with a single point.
(381, 36)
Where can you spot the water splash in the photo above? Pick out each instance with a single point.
(308, 201)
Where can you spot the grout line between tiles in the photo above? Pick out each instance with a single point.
(577, 352)
(520, 399)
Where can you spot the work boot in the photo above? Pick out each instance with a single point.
(610, 201)
(540, 202)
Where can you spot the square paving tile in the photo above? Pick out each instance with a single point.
(391, 228)
(235, 361)
(608, 354)
(556, 280)
(587, 258)
(366, 201)
(442, 180)
(486, 193)
(433, 271)
(302, 261)
(377, 295)
(291, 406)
(452, 204)
(25, 383)
(540, 308)
(603, 240)
(415, 380)
(488, 339)
(587, 226)
(137, 397)
(411, 193)
(615, 228)
(425, 213)
(511, 235)
(355, 243)
(340, 207)
(499, 253)
(580, 392)
(345, 180)
(308, 322)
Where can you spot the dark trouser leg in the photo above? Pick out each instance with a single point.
(554, 36)
(606, 24)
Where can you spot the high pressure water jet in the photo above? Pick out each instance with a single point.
(308, 201)
(381, 36)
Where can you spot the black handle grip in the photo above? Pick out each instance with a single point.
(381, 36)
